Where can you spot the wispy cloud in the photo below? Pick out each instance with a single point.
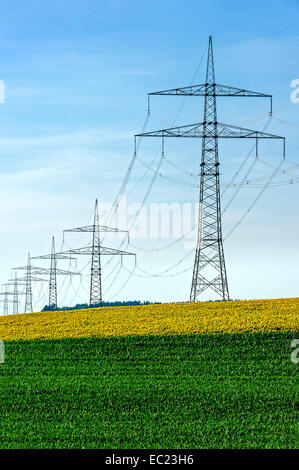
(28, 91)
(80, 138)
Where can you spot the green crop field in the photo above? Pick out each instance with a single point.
(193, 391)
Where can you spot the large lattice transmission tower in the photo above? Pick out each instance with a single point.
(209, 270)
(96, 250)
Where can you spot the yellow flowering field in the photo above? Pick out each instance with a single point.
(162, 319)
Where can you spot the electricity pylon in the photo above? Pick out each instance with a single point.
(15, 293)
(209, 270)
(15, 306)
(28, 278)
(5, 301)
(28, 289)
(52, 281)
(15, 283)
(52, 272)
(96, 250)
(28, 298)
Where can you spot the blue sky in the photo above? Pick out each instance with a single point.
(77, 75)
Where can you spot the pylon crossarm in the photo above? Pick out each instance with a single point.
(33, 269)
(229, 131)
(12, 283)
(226, 90)
(57, 256)
(61, 272)
(87, 250)
(64, 272)
(210, 89)
(193, 90)
(35, 279)
(220, 130)
(40, 271)
(90, 228)
(191, 130)
(11, 293)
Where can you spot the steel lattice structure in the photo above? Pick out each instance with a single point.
(53, 272)
(209, 270)
(52, 281)
(28, 298)
(15, 309)
(15, 293)
(96, 250)
(15, 283)
(5, 301)
(27, 279)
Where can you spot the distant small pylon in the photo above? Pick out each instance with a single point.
(96, 271)
(28, 298)
(15, 304)
(53, 272)
(96, 250)
(5, 304)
